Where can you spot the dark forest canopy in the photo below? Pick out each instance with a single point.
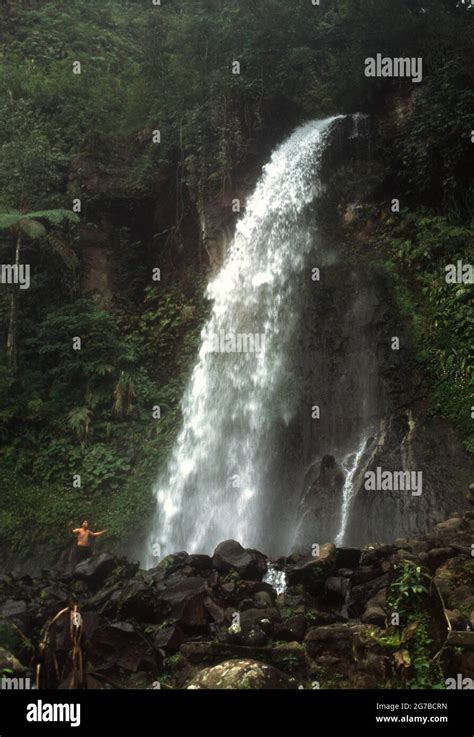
(170, 66)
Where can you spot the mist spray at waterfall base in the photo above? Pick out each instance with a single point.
(217, 484)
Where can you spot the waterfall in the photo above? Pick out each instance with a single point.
(216, 485)
(350, 466)
(277, 579)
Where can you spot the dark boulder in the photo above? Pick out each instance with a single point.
(137, 601)
(91, 622)
(348, 557)
(20, 613)
(120, 646)
(293, 600)
(254, 637)
(312, 572)
(51, 600)
(360, 595)
(215, 611)
(170, 565)
(182, 598)
(251, 617)
(436, 557)
(106, 600)
(373, 554)
(245, 594)
(351, 651)
(366, 573)
(199, 562)
(13, 608)
(336, 589)
(95, 570)
(292, 629)
(374, 615)
(231, 556)
(462, 596)
(251, 627)
(264, 599)
(319, 618)
(169, 639)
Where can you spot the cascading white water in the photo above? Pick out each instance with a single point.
(277, 579)
(350, 466)
(215, 486)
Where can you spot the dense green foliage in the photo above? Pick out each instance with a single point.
(441, 313)
(409, 640)
(90, 136)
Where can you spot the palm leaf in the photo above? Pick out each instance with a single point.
(32, 228)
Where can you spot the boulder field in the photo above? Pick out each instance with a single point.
(350, 618)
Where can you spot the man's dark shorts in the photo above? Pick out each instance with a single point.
(81, 552)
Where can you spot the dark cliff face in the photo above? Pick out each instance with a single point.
(411, 440)
(342, 332)
(371, 397)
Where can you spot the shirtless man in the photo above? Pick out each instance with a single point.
(82, 549)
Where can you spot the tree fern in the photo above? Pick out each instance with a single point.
(11, 219)
(29, 224)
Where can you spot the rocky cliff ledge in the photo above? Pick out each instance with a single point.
(399, 616)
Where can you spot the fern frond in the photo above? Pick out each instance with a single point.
(55, 217)
(124, 394)
(9, 219)
(63, 249)
(32, 228)
(79, 420)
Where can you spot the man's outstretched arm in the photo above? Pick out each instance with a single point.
(98, 534)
